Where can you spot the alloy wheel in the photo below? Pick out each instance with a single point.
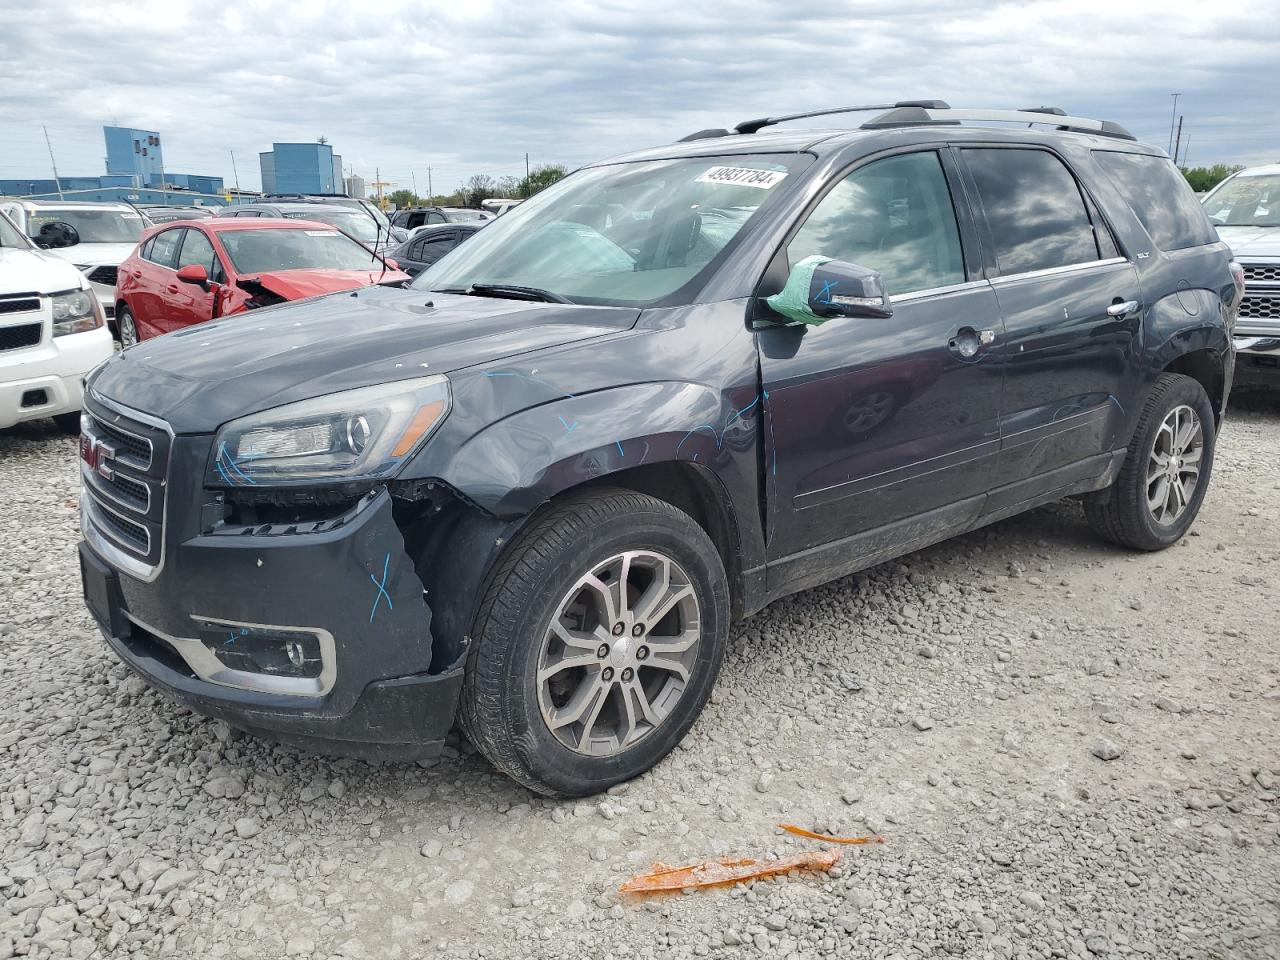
(1173, 469)
(619, 652)
(128, 332)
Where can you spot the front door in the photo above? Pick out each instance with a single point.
(1072, 310)
(882, 432)
(190, 303)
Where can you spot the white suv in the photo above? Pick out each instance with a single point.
(101, 236)
(52, 333)
(1246, 210)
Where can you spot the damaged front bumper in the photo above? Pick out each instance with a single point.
(315, 634)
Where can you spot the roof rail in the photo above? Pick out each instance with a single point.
(751, 126)
(921, 115)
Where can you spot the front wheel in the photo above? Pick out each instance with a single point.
(597, 643)
(1166, 471)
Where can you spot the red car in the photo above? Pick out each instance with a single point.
(188, 272)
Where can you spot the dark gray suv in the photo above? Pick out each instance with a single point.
(533, 490)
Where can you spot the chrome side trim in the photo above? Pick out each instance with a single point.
(1057, 271)
(131, 414)
(210, 669)
(938, 291)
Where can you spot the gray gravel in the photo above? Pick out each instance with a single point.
(1071, 751)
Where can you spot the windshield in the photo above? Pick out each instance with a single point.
(628, 234)
(94, 226)
(351, 222)
(10, 236)
(270, 251)
(1246, 202)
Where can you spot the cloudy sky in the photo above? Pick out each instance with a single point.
(468, 87)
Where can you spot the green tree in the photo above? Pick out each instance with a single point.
(402, 199)
(480, 187)
(541, 177)
(1206, 178)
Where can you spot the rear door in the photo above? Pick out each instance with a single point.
(155, 274)
(1072, 312)
(882, 432)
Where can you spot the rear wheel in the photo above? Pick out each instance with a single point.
(1166, 471)
(597, 643)
(128, 329)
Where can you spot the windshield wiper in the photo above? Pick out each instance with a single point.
(515, 292)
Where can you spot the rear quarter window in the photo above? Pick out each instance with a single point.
(1160, 197)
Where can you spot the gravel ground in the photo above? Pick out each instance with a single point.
(961, 702)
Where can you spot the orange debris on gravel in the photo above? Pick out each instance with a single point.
(725, 872)
(809, 834)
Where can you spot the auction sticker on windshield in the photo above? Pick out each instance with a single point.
(743, 177)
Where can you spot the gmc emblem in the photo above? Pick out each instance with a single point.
(98, 455)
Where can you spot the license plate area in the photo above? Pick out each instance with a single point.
(102, 592)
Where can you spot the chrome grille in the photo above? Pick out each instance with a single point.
(23, 335)
(124, 461)
(1254, 307)
(20, 303)
(1261, 273)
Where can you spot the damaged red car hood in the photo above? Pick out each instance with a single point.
(300, 284)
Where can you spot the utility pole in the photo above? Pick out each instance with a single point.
(430, 192)
(413, 178)
(53, 163)
(526, 168)
(1172, 118)
(1186, 149)
(236, 173)
(1177, 143)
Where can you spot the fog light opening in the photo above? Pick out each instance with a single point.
(272, 651)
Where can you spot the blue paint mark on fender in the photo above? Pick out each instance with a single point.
(382, 588)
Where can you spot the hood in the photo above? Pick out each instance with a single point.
(1246, 242)
(94, 254)
(201, 377)
(300, 284)
(29, 271)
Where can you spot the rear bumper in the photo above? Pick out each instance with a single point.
(369, 690)
(1257, 359)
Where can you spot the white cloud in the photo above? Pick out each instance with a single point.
(470, 87)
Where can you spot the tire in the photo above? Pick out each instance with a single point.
(68, 422)
(1123, 513)
(508, 711)
(128, 328)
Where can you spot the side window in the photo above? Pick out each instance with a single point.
(1034, 208)
(416, 220)
(436, 218)
(196, 248)
(435, 249)
(894, 215)
(164, 247)
(415, 250)
(144, 251)
(1161, 198)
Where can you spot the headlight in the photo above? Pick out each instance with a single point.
(360, 434)
(75, 312)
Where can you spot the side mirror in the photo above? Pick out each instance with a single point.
(819, 289)
(392, 264)
(57, 234)
(194, 273)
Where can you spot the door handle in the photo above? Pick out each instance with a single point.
(968, 341)
(1122, 308)
(173, 288)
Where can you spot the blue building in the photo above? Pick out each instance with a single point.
(135, 172)
(134, 153)
(301, 168)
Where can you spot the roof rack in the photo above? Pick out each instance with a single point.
(915, 113)
(916, 116)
